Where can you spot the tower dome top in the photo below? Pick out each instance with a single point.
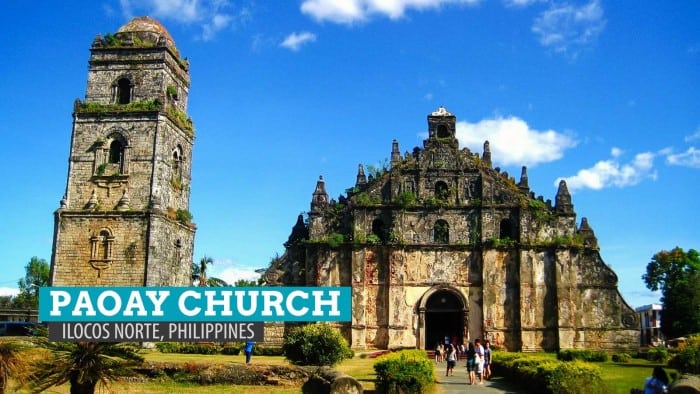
(148, 29)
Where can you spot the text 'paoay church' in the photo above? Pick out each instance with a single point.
(437, 244)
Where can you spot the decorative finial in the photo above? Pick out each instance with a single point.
(123, 204)
(361, 178)
(92, 202)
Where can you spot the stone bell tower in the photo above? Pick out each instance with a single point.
(124, 219)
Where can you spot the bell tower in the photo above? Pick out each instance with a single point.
(124, 219)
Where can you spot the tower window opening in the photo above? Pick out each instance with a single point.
(506, 230)
(441, 232)
(441, 190)
(115, 152)
(442, 131)
(123, 91)
(378, 230)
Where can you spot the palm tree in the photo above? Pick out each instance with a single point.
(12, 363)
(83, 364)
(199, 274)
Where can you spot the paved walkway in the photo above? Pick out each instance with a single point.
(459, 382)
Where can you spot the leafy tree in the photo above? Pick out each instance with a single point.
(83, 364)
(199, 274)
(12, 363)
(36, 275)
(249, 283)
(677, 274)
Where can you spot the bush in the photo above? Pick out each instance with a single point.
(544, 375)
(621, 357)
(406, 371)
(658, 354)
(688, 359)
(583, 355)
(315, 344)
(575, 377)
(231, 350)
(267, 351)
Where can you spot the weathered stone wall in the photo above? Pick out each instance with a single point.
(149, 70)
(73, 250)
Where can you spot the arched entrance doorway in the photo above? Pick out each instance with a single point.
(443, 313)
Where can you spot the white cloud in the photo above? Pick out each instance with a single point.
(567, 28)
(694, 136)
(689, 158)
(231, 272)
(350, 11)
(512, 141)
(612, 172)
(616, 152)
(8, 291)
(211, 15)
(520, 3)
(294, 41)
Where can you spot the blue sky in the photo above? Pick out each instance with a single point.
(604, 94)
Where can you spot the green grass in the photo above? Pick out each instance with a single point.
(621, 377)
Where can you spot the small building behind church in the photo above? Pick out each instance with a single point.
(442, 244)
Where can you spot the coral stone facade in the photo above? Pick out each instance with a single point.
(124, 219)
(441, 244)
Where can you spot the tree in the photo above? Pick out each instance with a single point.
(83, 364)
(677, 274)
(199, 274)
(36, 275)
(249, 283)
(12, 363)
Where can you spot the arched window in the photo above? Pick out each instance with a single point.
(442, 131)
(379, 230)
(506, 230)
(441, 190)
(115, 152)
(177, 163)
(123, 91)
(441, 232)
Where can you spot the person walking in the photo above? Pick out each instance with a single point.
(479, 360)
(487, 360)
(470, 363)
(451, 360)
(248, 351)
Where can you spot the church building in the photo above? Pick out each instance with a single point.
(124, 219)
(442, 244)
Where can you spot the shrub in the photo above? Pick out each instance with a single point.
(406, 371)
(575, 377)
(688, 359)
(315, 344)
(583, 355)
(231, 350)
(658, 354)
(621, 357)
(544, 375)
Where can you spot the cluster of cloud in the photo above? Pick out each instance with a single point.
(562, 27)
(566, 28)
(295, 40)
(513, 141)
(212, 16)
(352, 11)
(231, 272)
(613, 172)
(8, 291)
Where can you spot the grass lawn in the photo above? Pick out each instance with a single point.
(621, 377)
